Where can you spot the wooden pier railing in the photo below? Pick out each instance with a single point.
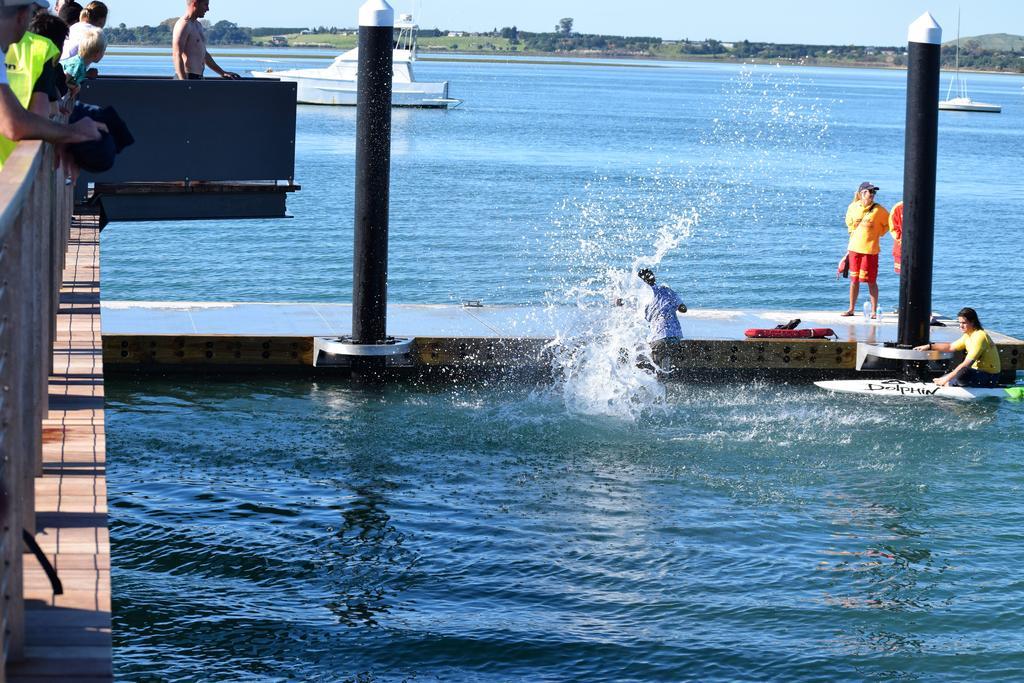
(35, 219)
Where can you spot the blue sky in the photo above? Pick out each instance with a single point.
(782, 21)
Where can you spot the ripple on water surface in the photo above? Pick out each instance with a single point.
(300, 531)
(606, 528)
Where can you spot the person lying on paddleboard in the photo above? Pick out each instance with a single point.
(981, 367)
(661, 314)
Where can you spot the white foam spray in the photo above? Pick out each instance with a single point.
(604, 363)
(622, 224)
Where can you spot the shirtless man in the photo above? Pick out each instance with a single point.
(189, 45)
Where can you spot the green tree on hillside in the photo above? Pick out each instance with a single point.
(228, 33)
(221, 33)
(564, 26)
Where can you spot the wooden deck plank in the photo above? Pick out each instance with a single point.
(68, 637)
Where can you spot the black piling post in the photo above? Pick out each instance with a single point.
(373, 173)
(919, 173)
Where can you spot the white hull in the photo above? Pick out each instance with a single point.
(315, 88)
(967, 104)
(911, 390)
(962, 102)
(336, 84)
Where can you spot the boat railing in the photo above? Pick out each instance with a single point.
(35, 221)
(405, 37)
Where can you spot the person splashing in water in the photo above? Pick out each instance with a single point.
(661, 314)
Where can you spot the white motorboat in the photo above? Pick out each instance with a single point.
(962, 102)
(336, 84)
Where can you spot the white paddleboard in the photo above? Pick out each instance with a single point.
(911, 390)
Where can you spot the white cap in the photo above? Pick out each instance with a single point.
(925, 30)
(376, 13)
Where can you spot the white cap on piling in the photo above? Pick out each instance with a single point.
(376, 13)
(925, 30)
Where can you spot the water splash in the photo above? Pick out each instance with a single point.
(736, 175)
(605, 362)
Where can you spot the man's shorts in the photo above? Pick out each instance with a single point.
(863, 267)
(976, 378)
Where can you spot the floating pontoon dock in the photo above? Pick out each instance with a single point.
(163, 337)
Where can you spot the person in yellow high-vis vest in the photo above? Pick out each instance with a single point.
(17, 122)
(25, 62)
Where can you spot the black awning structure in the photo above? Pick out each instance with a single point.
(210, 149)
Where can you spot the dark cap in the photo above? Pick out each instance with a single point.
(866, 186)
(45, 4)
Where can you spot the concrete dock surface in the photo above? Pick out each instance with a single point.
(126, 318)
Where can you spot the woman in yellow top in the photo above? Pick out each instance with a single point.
(981, 367)
(866, 221)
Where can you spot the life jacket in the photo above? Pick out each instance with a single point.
(24, 62)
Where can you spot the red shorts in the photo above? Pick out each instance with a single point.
(863, 267)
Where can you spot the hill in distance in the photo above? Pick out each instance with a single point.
(993, 42)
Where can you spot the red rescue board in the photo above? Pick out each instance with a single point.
(772, 333)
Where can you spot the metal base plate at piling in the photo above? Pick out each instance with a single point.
(337, 351)
(867, 350)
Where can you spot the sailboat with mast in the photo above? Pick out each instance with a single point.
(962, 102)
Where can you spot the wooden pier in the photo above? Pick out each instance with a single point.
(67, 637)
(52, 481)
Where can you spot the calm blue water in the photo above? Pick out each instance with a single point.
(547, 169)
(297, 530)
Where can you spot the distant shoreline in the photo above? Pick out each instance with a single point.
(551, 58)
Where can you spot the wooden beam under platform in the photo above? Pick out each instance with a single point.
(190, 200)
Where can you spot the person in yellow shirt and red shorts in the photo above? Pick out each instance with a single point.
(866, 221)
(981, 366)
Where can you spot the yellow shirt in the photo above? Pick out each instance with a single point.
(981, 350)
(866, 224)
